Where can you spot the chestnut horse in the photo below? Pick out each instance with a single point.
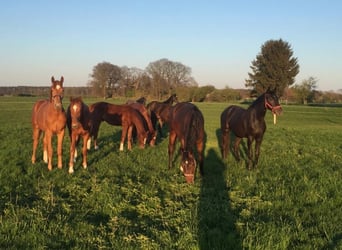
(48, 116)
(187, 124)
(118, 115)
(144, 112)
(160, 111)
(248, 124)
(78, 122)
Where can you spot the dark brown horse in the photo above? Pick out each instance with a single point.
(187, 124)
(248, 124)
(118, 115)
(160, 111)
(147, 121)
(78, 122)
(141, 100)
(48, 116)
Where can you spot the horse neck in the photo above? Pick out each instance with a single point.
(169, 101)
(258, 106)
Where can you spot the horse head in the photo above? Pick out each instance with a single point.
(57, 91)
(174, 98)
(75, 109)
(272, 102)
(188, 166)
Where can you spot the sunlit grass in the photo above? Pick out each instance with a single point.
(131, 200)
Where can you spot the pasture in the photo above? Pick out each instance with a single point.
(131, 200)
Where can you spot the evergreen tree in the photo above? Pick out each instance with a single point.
(274, 68)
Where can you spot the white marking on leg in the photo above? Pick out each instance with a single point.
(121, 146)
(89, 144)
(71, 170)
(75, 155)
(45, 156)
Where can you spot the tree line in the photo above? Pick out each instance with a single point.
(275, 67)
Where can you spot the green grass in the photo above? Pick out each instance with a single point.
(131, 200)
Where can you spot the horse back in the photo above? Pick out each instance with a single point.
(187, 121)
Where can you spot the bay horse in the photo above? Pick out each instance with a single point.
(160, 111)
(118, 115)
(48, 116)
(187, 124)
(141, 100)
(78, 123)
(248, 123)
(147, 121)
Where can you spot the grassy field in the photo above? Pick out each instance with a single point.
(131, 200)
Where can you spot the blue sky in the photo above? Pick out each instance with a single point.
(217, 39)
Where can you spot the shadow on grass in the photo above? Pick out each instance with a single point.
(216, 225)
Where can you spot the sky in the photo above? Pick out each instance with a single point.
(218, 40)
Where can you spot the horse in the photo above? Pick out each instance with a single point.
(48, 116)
(187, 124)
(78, 123)
(118, 115)
(160, 111)
(141, 100)
(248, 124)
(144, 112)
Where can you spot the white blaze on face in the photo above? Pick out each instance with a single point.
(74, 107)
(58, 86)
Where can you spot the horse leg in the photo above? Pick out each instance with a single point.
(84, 150)
(123, 136)
(225, 143)
(236, 148)
(94, 133)
(200, 152)
(45, 149)
(129, 137)
(257, 150)
(60, 137)
(250, 152)
(35, 137)
(72, 153)
(48, 145)
(171, 148)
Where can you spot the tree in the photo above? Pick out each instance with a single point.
(105, 78)
(166, 75)
(305, 91)
(275, 68)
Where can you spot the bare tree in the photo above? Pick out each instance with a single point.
(104, 78)
(166, 75)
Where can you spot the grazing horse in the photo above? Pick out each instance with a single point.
(248, 124)
(187, 124)
(141, 100)
(160, 111)
(48, 116)
(144, 112)
(118, 115)
(78, 122)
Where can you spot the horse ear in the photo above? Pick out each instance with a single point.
(62, 80)
(52, 79)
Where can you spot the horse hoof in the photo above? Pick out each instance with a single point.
(96, 147)
(71, 170)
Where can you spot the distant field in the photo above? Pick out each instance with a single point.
(131, 200)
